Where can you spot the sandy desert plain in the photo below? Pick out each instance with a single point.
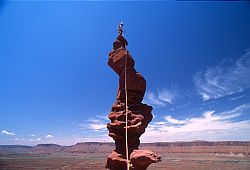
(92, 156)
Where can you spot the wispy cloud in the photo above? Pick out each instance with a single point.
(49, 136)
(173, 120)
(98, 123)
(97, 126)
(152, 99)
(5, 132)
(161, 98)
(224, 79)
(210, 125)
(237, 97)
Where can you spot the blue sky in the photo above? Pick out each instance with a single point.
(56, 86)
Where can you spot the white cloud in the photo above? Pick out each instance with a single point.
(237, 97)
(103, 117)
(153, 99)
(161, 98)
(97, 126)
(224, 79)
(49, 136)
(98, 123)
(173, 120)
(160, 123)
(32, 135)
(209, 126)
(5, 132)
(167, 96)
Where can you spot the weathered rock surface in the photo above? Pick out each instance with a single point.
(116, 161)
(139, 115)
(141, 159)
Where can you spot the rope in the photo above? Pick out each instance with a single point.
(126, 111)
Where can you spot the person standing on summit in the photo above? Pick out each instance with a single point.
(120, 28)
(120, 37)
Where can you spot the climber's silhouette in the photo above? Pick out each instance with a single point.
(120, 28)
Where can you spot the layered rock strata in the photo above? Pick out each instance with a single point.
(139, 114)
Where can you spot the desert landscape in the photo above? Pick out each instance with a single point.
(125, 85)
(226, 155)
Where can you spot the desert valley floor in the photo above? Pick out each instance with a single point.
(96, 161)
(92, 156)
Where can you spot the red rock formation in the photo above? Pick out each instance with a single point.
(139, 115)
(141, 159)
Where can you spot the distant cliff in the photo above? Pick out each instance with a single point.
(222, 147)
(48, 148)
(90, 147)
(199, 143)
(227, 147)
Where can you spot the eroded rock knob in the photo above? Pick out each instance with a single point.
(141, 159)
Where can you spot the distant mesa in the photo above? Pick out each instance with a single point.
(41, 148)
(223, 147)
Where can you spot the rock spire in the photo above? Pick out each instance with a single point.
(139, 114)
